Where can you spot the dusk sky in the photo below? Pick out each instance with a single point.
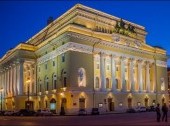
(19, 21)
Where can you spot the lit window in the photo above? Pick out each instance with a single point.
(107, 83)
(81, 77)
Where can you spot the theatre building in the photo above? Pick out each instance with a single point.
(84, 59)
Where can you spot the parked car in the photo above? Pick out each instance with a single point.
(130, 110)
(25, 112)
(2, 113)
(140, 109)
(82, 112)
(43, 113)
(151, 109)
(8, 113)
(95, 111)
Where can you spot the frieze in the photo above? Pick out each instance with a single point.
(71, 46)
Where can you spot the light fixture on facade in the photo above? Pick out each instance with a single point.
(62, 94)
(120, 104)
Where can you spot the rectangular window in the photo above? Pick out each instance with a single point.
(65, 82)
(38, 69)
(53, 63)
(63, 57)
(47, 86)
(40, 88)
(46, 66)
(55, 84)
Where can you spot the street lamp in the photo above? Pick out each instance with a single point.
(1, 97)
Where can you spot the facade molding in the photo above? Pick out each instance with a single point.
(71, 46)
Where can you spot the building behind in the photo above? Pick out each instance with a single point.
(84, 59)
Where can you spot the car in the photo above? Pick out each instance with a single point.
(82, 112)
(95, 111)
(25, 112)
(130, 110)
(8, 113)
(151, 108)
(43, 113)
(140, 109)
(2, 113)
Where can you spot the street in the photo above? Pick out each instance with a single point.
(145, 118)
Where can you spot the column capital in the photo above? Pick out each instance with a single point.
(139, 60)
(122, 57)
(131, 59)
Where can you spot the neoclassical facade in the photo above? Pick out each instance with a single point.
(84, 59)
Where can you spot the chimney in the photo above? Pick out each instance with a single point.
(50, 20)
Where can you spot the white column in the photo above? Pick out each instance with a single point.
(21, 82)
(17, 78)
(102, 72)
(147, 77)
(5, 81)
(14, 79)
(122, 65)
(10, 79)
(31, 78)
(131, 74)
(140, 75)
(154, 76)
(113, 72)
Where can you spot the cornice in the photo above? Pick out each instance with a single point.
(71, 46)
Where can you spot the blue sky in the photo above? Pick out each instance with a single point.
(21, 20)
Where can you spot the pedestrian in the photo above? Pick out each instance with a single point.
(165, 112)
(158, 113)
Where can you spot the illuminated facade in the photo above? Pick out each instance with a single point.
(84, 59)
(169, 83)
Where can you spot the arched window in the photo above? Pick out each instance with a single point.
(54, 78)
(97, 82)
(46, 83)
(81, 77)
(107, 83)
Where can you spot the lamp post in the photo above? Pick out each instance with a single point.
(1, 97)
(28, 94)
